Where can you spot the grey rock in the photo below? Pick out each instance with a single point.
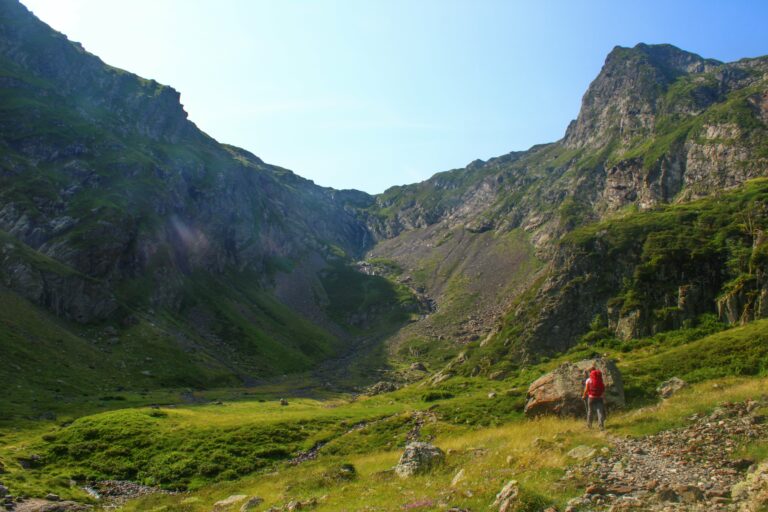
(418, 458)
(381, 387)
(506, 499)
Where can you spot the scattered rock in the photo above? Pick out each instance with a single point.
(441, 376)
(235, 499)
(667, 494)
(594, 489)
(252, 503)
(418, 367)
(689, 493)
(38, 505)
(507, 497)
(381, 387)
(31, 462)
(419, 458)
(582, 452)
(559, 392)
(458, 478)
(619, 489)
(668, 388)
(689, 468)
(492, 394)
(294, 505)
(52, 497)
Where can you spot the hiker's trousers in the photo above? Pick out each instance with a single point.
(596, 406)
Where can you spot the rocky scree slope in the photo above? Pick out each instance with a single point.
(117, 211)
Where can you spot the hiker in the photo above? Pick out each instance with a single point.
(594, 394)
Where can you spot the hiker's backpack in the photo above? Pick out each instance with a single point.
(596, 386)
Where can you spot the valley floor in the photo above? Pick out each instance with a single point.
(336, 452)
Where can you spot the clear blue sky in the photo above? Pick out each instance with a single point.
(367, 94)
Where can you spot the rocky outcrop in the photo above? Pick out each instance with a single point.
(622, 101)
(419, 458)
(560, 391)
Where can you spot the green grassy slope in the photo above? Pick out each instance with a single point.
(240, 446)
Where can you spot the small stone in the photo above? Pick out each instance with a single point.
(594, 489)
(667, 494)
(52, 497)
(718, 493)
(619, 489)
(689, 493)
(492, 394)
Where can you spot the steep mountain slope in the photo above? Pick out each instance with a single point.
(116, 211)
(658, 125)
(124, 227)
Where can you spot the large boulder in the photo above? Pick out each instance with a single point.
(419, 458)
(559, 392)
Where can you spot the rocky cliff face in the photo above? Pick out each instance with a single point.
(115, 207)
(623, 101)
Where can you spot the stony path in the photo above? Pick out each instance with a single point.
(687, 469)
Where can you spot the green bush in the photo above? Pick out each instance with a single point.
(433, 396)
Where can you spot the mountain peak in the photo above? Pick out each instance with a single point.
(670, 60)
(621, 101)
